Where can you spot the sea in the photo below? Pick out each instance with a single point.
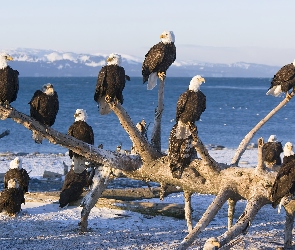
(234, 107)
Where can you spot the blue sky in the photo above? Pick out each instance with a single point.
(224, 31)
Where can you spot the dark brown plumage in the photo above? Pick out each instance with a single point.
(180, 153)
(110, 83)
(44, 107)
(159, 58)
(22, 177)
(284, 184)
(72, 187)
(283, 80)
(81, 131)
(272, 152)
(190, 106)
(9, 84)
(12, 198)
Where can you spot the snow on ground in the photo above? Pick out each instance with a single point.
(45, 226)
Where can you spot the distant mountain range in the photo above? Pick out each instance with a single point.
(35, 62)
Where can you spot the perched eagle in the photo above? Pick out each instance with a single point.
(110, 84)
(191, 104)
(180, 153)
(17, 172)
(8, 80)
(81, 130)
(44, 106)
(284, 184)
(158, 59)
(283, 81)
(11, 198)
(72, 187)
(288, 153)
(272, 151)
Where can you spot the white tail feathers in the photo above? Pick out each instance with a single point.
(152, 81)
(275, 91)
(104, 107)
(182, 130)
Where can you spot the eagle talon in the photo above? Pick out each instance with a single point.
(108, 99)
(288, 96)
(162, 76)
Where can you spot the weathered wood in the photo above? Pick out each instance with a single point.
(120, 199)
(156, 133)
(204, 175)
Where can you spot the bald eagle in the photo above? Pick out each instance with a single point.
(158, 59)
(81, 130)
(284, 184)
(17, 172)
(8, 80)
(191, 104)
(11, 198)
(44, 106)
(283, 81)
(272, 151)
(180, 153)
(72, 187)
(110, 84)
(288, 153)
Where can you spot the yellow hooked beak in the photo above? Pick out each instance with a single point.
(162, 36)
(216, 243)
(202, 79)
(9, 58)
(109, 59)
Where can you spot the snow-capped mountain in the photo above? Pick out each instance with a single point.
(35, 62)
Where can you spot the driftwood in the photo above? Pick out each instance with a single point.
(204, 175)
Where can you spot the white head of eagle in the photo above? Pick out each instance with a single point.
(12, 183)
(167, 37)
(272, 138)
(16, 163)
(196, 83)
(114, 59)
(48, 89)
(80, 115)
(288, 149)
(4, 57)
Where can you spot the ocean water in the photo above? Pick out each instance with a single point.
(234, 107)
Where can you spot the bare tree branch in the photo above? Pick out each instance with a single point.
(243, 145)
(156, 133)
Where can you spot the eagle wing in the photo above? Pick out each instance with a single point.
(9, 84)
(284, 182)
(181, 104)
(100, 89)
(152, 59)
(35, 104)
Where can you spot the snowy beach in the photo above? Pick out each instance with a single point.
(43, 225)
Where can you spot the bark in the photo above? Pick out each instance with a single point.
(207, 217)
(100, 182)
(243, 145)
(156, 133)
(188, 210)
(230, 212)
